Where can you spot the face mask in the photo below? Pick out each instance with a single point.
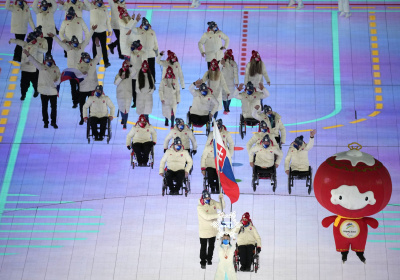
(207, 201)
(75, 45)
(32, 41)
(296, 146)
(44, 8)
(265, 145)
(140, 48)
(144, 70)
(249, 92)
(98, 94)
(132, 49)
(70, 17)
(49, 63)
(178, 147)
(219, 127)
(257, 59)
(99, 4)
(181, 127)
(20, 3)
(204, 93)
(146, 27)
(142, 124)
(73, 1)
(174, 59)
(263, 130)
(121, 1)
(86, 60)
(216, 29)
(225, 241)
(245, 223)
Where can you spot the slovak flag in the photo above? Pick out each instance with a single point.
(69, 74)
(223, 164)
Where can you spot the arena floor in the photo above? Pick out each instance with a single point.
(73, 210)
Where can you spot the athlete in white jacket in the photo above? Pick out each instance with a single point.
(265, 155)
(211, 40)
(170, 96)
(49, 78)
(250, 97)
(136, 58)
(148, 39)
(144, 91)
(77, 5)
(126, 24)
(124, 91)
(230, 72)
(20, 17)
(247, 238)
(300, 4)
(98, 103)
(255, 70)
(143, 137)
(171, 61)
(116, 6)
(204, 104)
(216, 81)
(73, 26)
(225, 266)
(99, 16)
(297, 156)
(74, 49)
(45, 17)
(226, 137)
(344, 8)
(274, 121)
(184, 133)
(88, 67)
(178, 163)
(207, 214)
(258, 136)
(29, 73)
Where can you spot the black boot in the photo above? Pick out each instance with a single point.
(166, 122)
(344, 256)
(360, 255)
(111, 48)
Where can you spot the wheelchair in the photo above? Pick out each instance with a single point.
(193, 125)
(300, 175)
(134, 161)
(267, 174)
(183, 191)
(246, 122)
(256, 258)
(108, 130)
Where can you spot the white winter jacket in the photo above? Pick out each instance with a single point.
(78, 8)
(45, 18)
(148, 40)
(33, 49)
(98, 106)
(258, 78)
(231, 76)
(225, 266)
(99, 16)
(207, 158)
(226, 137)
(125, 41)
(217, 87)
(298, 159)
(265, 157)
(248, 236)
(144, 97)
(49, 77)
(170, 92)
(74, 54)
(203, 105)
(274, 131)
(137, 58)
(250, 101)
(20, 18)
(186, 136)
(74, 27)
(115, 13)
(91, 81)
(176, 67)
(124, 92)
(207, 214)
(42, 45)
(176, 160)
(212, 45)
(141, 135)
(257, 137)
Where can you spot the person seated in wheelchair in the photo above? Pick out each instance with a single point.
(258, 136)
(225, 266)
(265, 153)
(247, 238)
(184, 132)
(225, 135)
(143, 137)
(204, 105)
(98, 104)
(179, 164)
(250, 97)
(208, 165)
(297, 156)
(273, 120)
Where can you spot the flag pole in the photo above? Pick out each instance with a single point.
(217, 164)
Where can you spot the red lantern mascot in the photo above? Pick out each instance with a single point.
(352, 185)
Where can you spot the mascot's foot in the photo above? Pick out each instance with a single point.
(344, 256)
(360, 255)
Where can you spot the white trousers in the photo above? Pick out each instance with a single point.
(344, 6)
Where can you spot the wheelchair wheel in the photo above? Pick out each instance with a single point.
(132, 162)
(236, 259)
(88, 131)
(164, 186)
(255, 263)
(152, 157)
(253, 182)
(241, 124)
(207, 128)
(274, 182)
(109, 130)
(310, 186)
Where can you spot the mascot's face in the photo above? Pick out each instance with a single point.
(352, 188)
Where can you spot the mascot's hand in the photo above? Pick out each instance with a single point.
(371, 222)
(326, 222)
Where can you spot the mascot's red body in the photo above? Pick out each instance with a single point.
(352, 185)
